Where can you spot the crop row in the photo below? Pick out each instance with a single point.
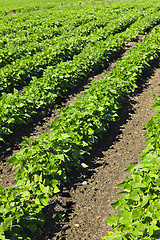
(47, 30)
(22, 70)
(58, 22)
(19, 107)
(15, 53)
(65, 23)
(139, 216)
(23, 6)
(15, 6)
(40, 5)
(28, 44)
(45, 161)
(37, 30)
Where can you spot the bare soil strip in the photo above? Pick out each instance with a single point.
(79, 212)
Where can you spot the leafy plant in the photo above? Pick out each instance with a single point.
(139, 216)
(19, 107)
(45, 162)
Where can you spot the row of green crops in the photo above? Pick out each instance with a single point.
(17, 108)
(17, 6)
(23, 6)
(54, 26)
(43, 164)
(139, 216)
(39, 5)
(24, 26)
(39, 55)
(22, 70)
(14, 52)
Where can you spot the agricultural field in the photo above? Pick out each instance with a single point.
(74, 65)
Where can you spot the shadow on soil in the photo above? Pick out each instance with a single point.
(61, 205)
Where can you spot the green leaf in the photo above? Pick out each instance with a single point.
(8, 221)
(130, 168)
(3, 237)
(45, 201)
(4, 227)
(84, 165)
(44, 189)
(141, 226)
(36, 178)
(136, 213)
(134, 195)
(15, 91)
(12, 160)
(61, 157)
(116, 204)
(56, 189)
(151, 229)
(111, 220)
(144, 201)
